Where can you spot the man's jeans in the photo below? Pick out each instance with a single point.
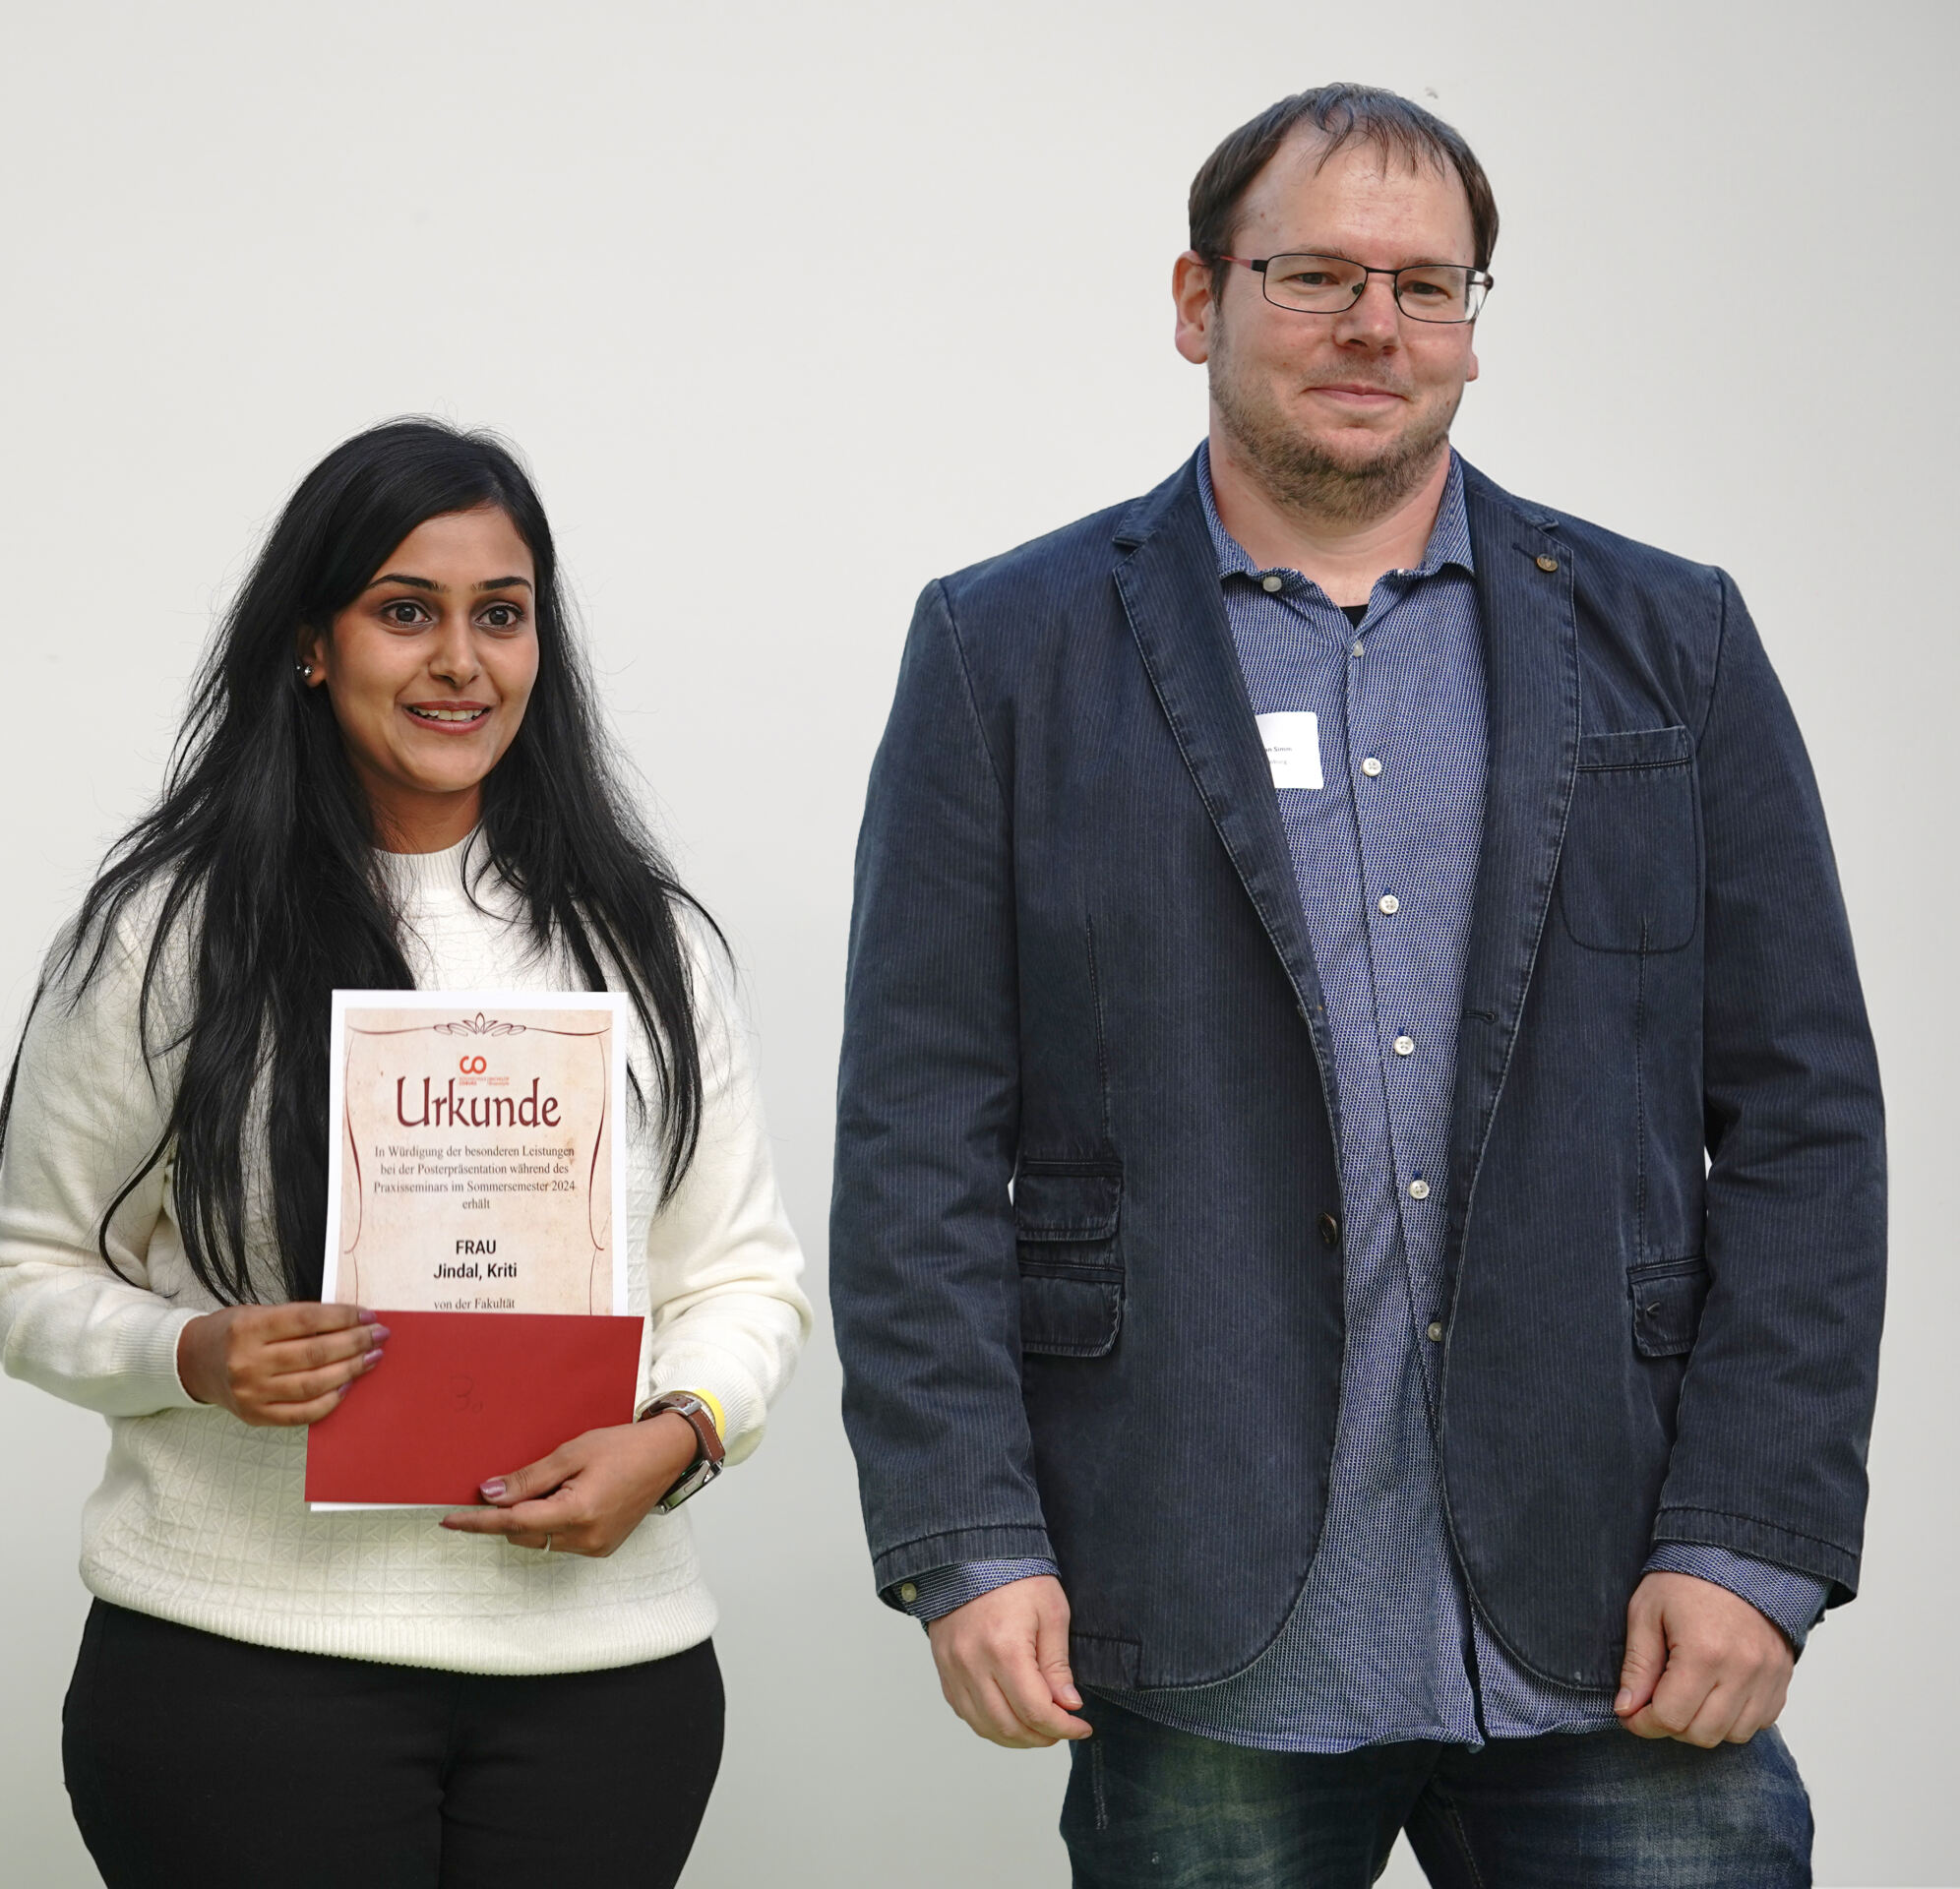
(1602, 1810)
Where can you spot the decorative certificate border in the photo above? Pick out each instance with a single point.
(474, 1013)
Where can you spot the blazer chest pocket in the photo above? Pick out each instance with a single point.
(1629, 876)
(1070, 1269)
(1667, 1297)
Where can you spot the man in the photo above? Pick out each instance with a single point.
(1359, 1225)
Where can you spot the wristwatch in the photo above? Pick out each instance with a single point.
(708, 1449)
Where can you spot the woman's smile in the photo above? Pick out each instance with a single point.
(451, 717)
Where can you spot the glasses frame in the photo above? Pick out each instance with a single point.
(1473, 279)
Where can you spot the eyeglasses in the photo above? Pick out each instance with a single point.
(1331, 284)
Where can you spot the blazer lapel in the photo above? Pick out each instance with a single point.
(1532, 691)
(1167, 574)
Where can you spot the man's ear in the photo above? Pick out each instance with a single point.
(1190, 291)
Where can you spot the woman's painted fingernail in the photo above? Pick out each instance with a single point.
(373, 1358)
(493, 1488)
(365, 1317)
(382, 1335)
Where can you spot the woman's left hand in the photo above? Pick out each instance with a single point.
(588, 1494)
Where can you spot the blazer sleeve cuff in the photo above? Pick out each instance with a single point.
(1761, 1541)
(1003, 1542)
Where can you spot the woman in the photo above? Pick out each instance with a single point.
(391, 776)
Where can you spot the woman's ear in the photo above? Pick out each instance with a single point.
(311, 656)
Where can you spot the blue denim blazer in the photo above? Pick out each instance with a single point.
(1086, 1250)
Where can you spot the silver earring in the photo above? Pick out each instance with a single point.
(305, 671)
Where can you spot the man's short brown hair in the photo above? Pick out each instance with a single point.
(1341, 115)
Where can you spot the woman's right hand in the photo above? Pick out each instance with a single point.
(285, 1365)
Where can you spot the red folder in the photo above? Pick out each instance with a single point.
(461, 1396)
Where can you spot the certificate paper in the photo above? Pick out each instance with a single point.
(476, 1162)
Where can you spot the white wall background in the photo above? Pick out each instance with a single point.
(794, 307)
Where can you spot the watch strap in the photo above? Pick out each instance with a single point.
(710, 1450)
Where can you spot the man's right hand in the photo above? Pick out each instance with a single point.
(282, 1365)
(1004, 1664)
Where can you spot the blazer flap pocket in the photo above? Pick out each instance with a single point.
(1070, 1315)
(1634, 747)
(1667, 1305)
(1067, 1203)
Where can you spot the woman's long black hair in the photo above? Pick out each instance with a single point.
(261, 851)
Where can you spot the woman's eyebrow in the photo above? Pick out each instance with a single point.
(429, 584)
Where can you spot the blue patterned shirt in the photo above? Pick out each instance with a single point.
(1377, 734)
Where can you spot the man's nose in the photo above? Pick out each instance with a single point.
(1373, 318)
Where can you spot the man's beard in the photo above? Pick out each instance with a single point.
(1300, 475)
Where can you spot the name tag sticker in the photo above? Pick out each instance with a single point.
(1293, 748)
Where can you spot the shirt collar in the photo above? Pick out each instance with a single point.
(1448, 541)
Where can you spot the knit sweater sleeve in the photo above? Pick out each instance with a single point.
(88, 1112)
(729, 1316)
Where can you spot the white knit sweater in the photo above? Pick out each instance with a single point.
(200, 1518)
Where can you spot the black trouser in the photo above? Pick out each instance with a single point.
(197, 1761)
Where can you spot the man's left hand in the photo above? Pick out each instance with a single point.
(1701, 1665)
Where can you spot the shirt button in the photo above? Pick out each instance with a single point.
(1355, 649)
(1405, 1046)
(1546, 564)
(1271, 582)
(908, 1592)
(1435, 1331)
(1388, 903)
(1330, 1231)
(1419, 1188)
(1371, 766)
